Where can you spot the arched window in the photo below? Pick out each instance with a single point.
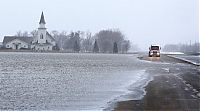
(41, 36)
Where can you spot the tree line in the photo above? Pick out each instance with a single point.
(105, 41)
(185, 48)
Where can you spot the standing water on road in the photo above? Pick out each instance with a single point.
(58, 81)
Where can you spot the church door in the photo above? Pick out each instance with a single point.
(16, 46)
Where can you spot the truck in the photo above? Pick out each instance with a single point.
(154, 51)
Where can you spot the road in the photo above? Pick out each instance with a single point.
(175, 87)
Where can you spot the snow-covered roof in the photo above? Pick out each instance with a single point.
(24, 39)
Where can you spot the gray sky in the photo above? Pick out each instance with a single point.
(144, 22)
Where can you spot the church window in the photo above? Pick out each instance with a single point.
(41, 36)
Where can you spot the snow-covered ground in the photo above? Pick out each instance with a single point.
(58, 81)
(173, 53)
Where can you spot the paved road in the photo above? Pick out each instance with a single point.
(175, 87)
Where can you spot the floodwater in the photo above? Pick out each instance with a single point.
(60, 81)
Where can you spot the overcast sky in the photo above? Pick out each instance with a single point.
(144, 22)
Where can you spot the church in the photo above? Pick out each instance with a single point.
(42, 41)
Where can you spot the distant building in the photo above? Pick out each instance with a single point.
(14, 42)
(41, 41)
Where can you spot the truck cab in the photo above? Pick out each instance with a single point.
(154, 51)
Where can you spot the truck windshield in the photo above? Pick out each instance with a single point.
(154, 47)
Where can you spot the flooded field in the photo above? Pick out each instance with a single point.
(56, 81)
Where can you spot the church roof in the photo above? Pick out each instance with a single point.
(50, 36)
(42, 19)
(24, 39)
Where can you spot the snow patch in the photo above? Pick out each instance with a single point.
(173, 53)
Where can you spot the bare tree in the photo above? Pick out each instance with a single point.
(125, 46)
(22, 34)
(86, 44)
(185, 48)
(25, 34)
(73, 38)
(106, 39)
(19, 33)
(34, 33)
(76, 47)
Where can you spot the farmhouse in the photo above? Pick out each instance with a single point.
(41, 41)
(14, 42)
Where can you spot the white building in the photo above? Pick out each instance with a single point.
(42, 41)
(1, 44)
(14, 42)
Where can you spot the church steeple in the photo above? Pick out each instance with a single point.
(42, 31)
(42, 21)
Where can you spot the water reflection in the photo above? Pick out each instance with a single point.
(154, 58)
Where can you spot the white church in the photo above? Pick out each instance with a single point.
(42, 41)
